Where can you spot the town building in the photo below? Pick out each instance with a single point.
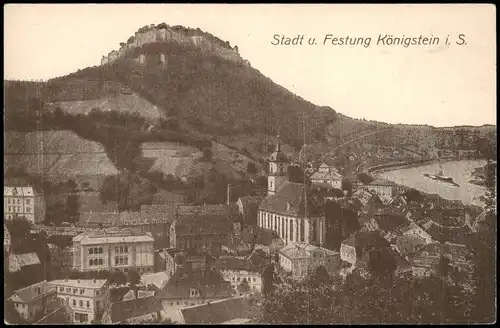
(86, 297)
(290, 208)
(24, 262)
(385, 189)
(6, 246)
(409, 244)
(60, 259)
(191, 287)
(32, 300)
(264, 239)
(248, 207)
(301, 259)
(327, 176)
(278, 169)
(23, 202)
(394, 263)
(155, 281)
(227, 311)
(354, 247)
(108, 251)
(140, 305)
(243, 275)
(203, 228)
(426, 258)
(172, 259)
(153, 219)
(386, 220)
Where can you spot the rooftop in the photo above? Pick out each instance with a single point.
(209, 283)
(363, 239)
(80, 283)
(382, 182)
(216, 312)
(18, 261)
(96, 238)
(291, 200)
(233, 263)
(158, 279)
(125, 310)
(32, 292)
(303, 250)
(260, 236)
(18, 191)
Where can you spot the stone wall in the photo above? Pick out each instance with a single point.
(152, 34)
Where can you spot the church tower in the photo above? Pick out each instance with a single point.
(278, 169)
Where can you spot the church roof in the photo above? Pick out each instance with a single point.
(278, 155)
(290, 200)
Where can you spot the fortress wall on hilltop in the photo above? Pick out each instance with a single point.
(168, 35)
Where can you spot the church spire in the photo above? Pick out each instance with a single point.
(278, 146)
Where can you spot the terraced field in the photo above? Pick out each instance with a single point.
(173, 158)
(129, 103)
(58, 155)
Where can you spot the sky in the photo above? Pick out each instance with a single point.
(437, 84)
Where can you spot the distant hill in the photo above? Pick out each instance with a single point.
(203, 82)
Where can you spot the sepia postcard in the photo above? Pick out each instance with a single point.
(250, 164)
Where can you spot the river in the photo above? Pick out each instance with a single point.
(460, 171)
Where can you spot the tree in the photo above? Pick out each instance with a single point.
(133, 276)
(207, 154)
(118, 277)
(365, 178)
(347, 186)
(268, 280)
(244, 286)
(71, 184)
(484, 253)
(251, 168)
(359, 300)
(11, 314)
(72, 207)
(19, 227)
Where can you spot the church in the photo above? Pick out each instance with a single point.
(289, 208)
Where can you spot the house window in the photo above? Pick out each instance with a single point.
(101, 262)
(74, 302)
(8, 201)
(97, 293)
(80, 303)
(68, 290)
(91, 262)
(88, 304)
(61, 289)
(82, 290)
(75, 290)
(91, 251)
(28, 209)
(27, 202)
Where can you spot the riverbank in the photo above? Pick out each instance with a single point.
(460, 171)
(406, 165)
(479, 174)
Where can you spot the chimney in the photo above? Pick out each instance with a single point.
(229, 193)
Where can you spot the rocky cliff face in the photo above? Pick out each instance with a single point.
(164, 33)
